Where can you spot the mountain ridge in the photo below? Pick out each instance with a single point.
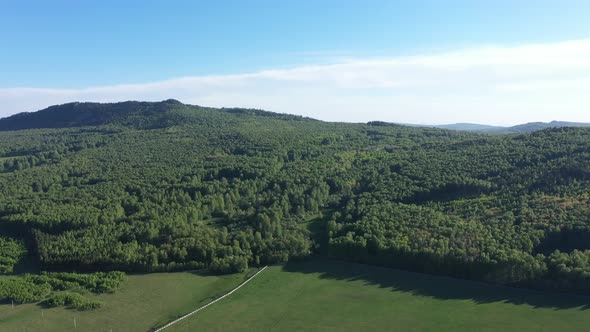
(482, 128)
(135, 114)
(146, 115)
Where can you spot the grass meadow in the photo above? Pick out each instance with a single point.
(313, 295)
(144, 301)
(322, 295)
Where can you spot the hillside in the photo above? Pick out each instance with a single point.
(165, 187)
(91, 114)
(133, 114)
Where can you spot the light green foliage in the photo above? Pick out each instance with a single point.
(70, 300)
(11, 252)
(23, 290)
(31, 288)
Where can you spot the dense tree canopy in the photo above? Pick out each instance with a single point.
(166, 186)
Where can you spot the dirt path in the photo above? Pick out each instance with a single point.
(210, 303)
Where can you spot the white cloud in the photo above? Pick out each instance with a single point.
(496, 85)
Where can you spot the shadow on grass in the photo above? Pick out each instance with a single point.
(437, 287)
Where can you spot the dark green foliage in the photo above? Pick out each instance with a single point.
(166, 186)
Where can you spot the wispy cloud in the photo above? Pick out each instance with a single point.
(491, 84)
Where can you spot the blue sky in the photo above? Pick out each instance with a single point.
(68, 46)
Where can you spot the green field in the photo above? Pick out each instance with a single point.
(334, 296)
(144, 301)
(315, 295)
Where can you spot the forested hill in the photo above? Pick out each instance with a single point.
(165, 186)
(140, 115)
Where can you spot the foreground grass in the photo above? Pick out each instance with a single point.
(323, 295)
(316, 295)
(144, 301)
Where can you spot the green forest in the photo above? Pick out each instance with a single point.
(150, 187)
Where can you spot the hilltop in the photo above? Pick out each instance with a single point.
(134, 114)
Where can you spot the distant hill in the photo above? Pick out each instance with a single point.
(91, 114)
(133, 114)
(473, 127)
(469, 127)
(152, 115)
(532, 126)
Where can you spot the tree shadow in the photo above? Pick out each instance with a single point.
(27, 264)
(437, 287)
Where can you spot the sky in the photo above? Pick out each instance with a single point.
(500, 62)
